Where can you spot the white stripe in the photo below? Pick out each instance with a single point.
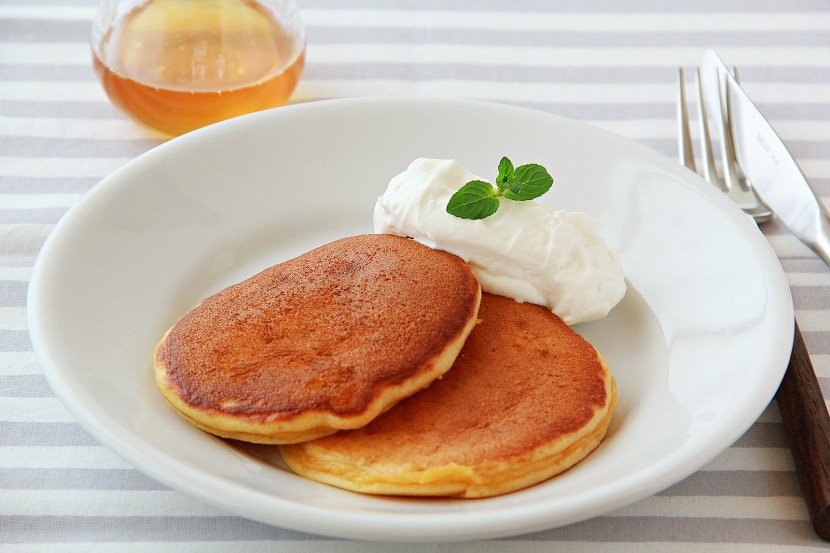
(69, 457)
(78, 53)
(583, 22)
(56, 91)
(88, 503)
(15, 273)
(815, 168)
(821, 364)
(67, 167)
(121, 129)
(23, 238)
(752, 458)
(37, 409)
(813, 320)
(788, 246)
(59, 13)
(794, 130)
(544, 56)
(37, 201)
(19, 363)
(52, 53)
(773, 508)
(516, 545)
(525, 21)
(808, 279)
(13, 318)
(578, 93)
(93, 129)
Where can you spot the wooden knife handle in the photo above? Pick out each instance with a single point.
(807, 425)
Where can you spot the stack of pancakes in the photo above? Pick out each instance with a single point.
(314, 353)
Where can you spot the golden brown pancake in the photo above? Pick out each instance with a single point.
(526, 399)
(325, 341)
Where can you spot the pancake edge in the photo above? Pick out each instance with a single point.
(312, 424)
(486, 479)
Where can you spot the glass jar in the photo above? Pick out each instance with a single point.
(177, 65)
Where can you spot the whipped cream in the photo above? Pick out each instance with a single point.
(524, 251)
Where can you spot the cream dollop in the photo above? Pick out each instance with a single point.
(525, 251)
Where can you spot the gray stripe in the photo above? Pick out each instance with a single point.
(15, 340)
(610, 6)
(811, 297)
(24, 385)
(77, 479)
(48, 216)
(34, 109)
(681, 529)
(737, 483)
(22, 529)
(44, 434)
(563, 39)
(668, 110)
(806, 112)
(763, 434)
(13, 293)
(811, 265)
(818, 342)
(535, 74)
(45, 185)
(43, 30)
(704, 483)
(25, 146)
(47, 72)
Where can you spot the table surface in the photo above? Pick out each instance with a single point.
(611, 65)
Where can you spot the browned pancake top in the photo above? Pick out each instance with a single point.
(523, 379)
(326, 331)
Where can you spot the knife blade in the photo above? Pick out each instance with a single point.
(776, 176)
(766, 161)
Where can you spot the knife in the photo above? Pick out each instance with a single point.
(765, 160)
(778, 179)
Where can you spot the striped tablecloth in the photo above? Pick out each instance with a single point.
(610, 63)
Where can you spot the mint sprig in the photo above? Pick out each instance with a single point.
(478, 199)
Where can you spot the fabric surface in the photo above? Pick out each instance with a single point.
(612, 64)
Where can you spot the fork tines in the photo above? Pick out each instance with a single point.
(731, 179)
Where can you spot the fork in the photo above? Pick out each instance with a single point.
(731, 179)
(799, 397)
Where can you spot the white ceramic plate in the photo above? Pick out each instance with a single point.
(698, 345)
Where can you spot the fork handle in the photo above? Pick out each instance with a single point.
(807, 425)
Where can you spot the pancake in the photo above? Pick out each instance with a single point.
(526, 399)
(323, 342)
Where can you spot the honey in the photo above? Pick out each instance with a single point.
(176, 66)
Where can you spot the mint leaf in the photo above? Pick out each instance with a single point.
(514, 185)
(506, 172)
(474, 200)
(530, 181)
(478, 200)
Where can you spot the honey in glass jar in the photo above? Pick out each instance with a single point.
(177, 65)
